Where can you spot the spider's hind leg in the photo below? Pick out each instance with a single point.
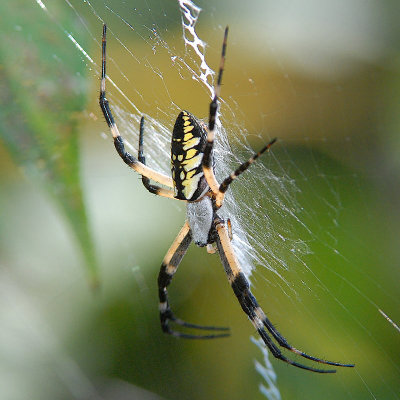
(168, 268)
(243, 167)
(131, 161)
(155, 189)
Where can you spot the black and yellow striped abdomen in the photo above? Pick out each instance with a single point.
(187, 146)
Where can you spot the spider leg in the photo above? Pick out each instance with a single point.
(168, 268)
(207, 156)
(157, 190)
(217, 189)
(225, 184)
(118, 141)
(229, 225)
(241, 288)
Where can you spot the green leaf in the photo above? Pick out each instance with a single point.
(42, 92)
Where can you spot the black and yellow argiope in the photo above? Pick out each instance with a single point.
(194, 182)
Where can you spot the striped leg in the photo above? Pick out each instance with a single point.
(118, 141)
(225, 184)
(207, 157)
(159, 191)
(250, 306)
(168, 268)
(219, 190)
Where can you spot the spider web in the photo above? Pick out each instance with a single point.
(289, 212)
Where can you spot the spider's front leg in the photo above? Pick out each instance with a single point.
(168, 268)
(248, 302)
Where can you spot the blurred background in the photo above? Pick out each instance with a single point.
(81, 240)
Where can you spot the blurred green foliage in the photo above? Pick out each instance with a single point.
(43, 91)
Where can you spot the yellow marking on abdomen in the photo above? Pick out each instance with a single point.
(192, 163)
(190, 153)
(191, 143)
(190, 174)
(188, 128)
(187, 137)
(190, 185)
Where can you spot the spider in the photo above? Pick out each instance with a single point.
(193, 181)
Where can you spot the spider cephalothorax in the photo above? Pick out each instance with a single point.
(193, 181)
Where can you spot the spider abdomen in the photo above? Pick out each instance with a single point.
(187, 147)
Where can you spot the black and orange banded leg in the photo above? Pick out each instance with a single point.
(243, 167)
(118, 141)
(217, 189)
(157, 190)
(240, 286)
(207, 156)
(168, 268)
